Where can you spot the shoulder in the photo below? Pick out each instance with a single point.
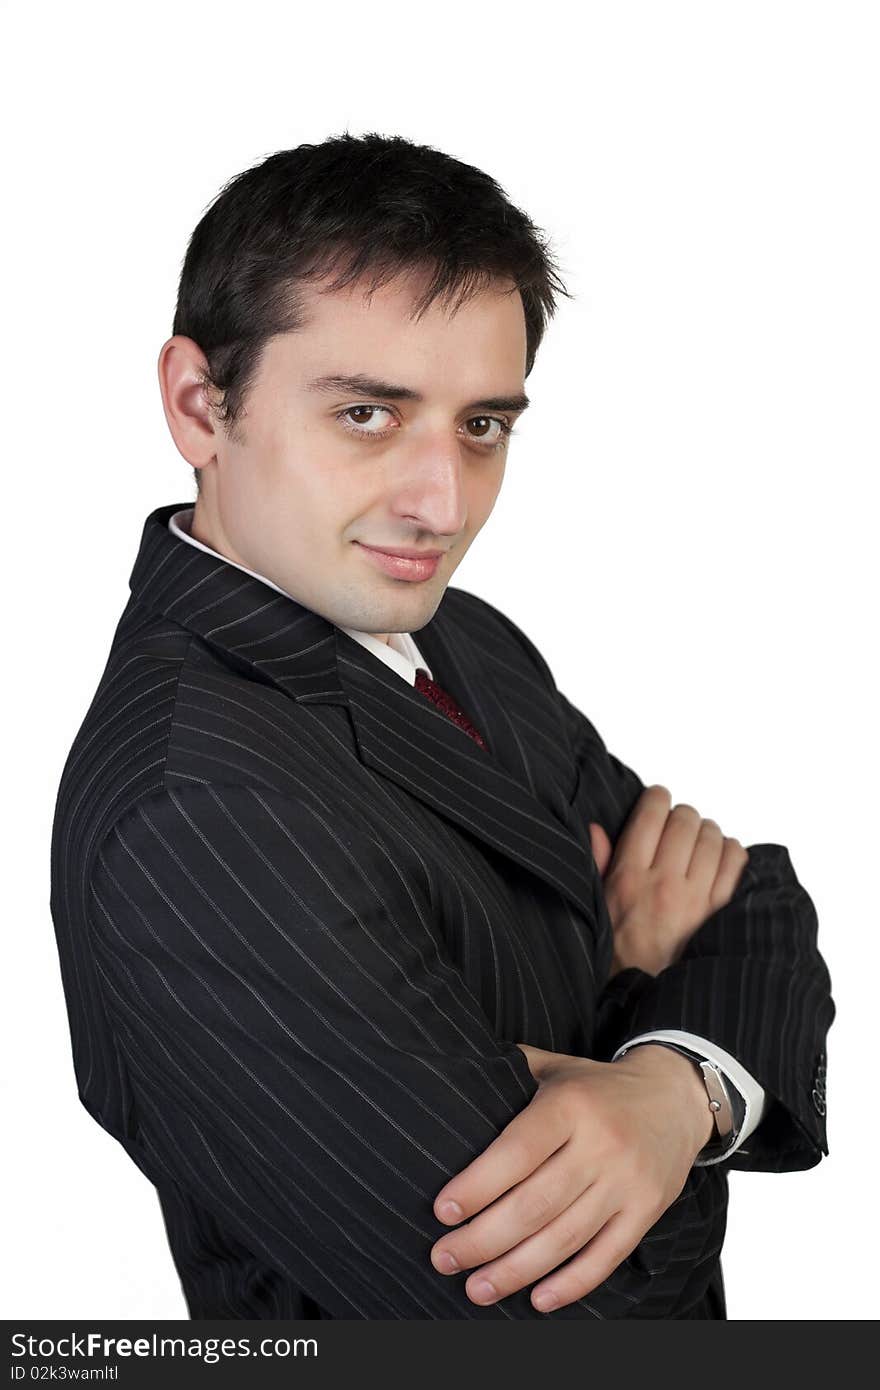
(169, 714)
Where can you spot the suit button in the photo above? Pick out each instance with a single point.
(819, 1101)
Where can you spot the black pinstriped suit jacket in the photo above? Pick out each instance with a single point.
(303, 920)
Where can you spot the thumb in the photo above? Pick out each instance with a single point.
(601, 846)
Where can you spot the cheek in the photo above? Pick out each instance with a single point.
(305, 481)
(327, 504)
(483, 493)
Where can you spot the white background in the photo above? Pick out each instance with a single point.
(687, 527)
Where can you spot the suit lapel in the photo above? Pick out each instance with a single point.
(400, 734)
(404, 737)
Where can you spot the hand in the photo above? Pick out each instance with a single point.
(591, 1163)
(669, 871)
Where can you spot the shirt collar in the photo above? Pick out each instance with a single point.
(399, 652)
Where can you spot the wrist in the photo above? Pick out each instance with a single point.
(687, 1085)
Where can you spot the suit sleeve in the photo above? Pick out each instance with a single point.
(307, 1062)
(751, 979)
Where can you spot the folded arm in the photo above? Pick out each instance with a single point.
(751, 980)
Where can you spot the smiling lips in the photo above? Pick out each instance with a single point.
(404, 562)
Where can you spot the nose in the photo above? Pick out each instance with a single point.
(432, 493)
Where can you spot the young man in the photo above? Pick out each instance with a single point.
(329, 846)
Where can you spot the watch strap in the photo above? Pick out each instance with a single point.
(726, 1103)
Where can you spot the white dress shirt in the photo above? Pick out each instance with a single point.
(403, 656)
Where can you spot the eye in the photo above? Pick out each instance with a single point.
(498, 440)
(359, 409)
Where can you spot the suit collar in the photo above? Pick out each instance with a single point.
(399, 652)
(400, 734)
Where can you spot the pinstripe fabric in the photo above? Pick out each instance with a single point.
(302, 919)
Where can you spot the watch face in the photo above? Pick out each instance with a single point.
(719, 1099)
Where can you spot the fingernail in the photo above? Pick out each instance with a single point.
(482, 1289)
(545, 1301)
(450, 1211)
(446, 1262)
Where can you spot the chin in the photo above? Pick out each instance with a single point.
(428, 609)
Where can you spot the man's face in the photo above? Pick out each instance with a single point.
(324, 473)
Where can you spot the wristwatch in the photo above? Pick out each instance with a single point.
(727, 1125)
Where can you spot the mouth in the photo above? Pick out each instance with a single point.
(403, 564)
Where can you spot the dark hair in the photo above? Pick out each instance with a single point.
(371, 204)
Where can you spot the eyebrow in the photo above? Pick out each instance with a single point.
(360, 385)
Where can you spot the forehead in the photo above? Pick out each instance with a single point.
(356, 329)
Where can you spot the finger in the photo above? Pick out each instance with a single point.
(527, 1208)
(538, 1058)
(706, 857)
(540, 1253)
(600, 1257)
(530, 1137)
(637, 841)
(676, 844)
(734, 858)
(600, 845)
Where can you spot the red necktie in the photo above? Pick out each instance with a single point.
(444, 701)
